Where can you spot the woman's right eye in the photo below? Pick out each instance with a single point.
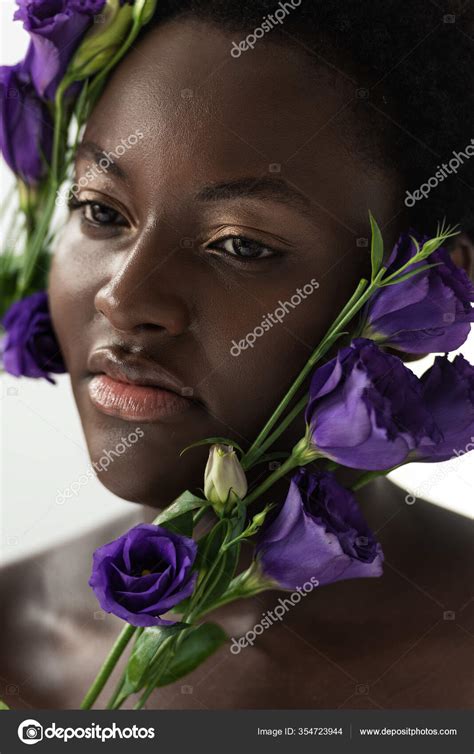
(98, 214)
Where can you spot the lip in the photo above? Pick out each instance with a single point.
(133, 388)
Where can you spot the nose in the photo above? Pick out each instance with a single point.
(144, 291)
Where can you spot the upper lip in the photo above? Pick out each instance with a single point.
(134, 369)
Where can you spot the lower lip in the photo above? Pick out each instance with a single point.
(134, 402)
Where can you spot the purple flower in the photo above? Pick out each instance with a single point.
(366, 409)
(56, 28)
(26, 128)
(427, 313)
(448, 392)
(143, 574)
(318, 534)
(30, 347)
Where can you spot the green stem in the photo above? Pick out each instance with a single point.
(200, 514)
(231, 597)
(251, 459)
(246, 584)
(369, 476)
(209, 579)
(291, 463)
(356, 301)
(113, 699)
(99, 80)
(172, 643)
(152, 685)
(108, 666)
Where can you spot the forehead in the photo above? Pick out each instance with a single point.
(204, 113)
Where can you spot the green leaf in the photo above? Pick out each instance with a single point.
(214, 441)
(184, 503)
(217, 567)
(376, 248)
(143, 653)
(3, 705)
(237, 522)
(197, 646)
(222, 577)
(209, 546)
(181, 525)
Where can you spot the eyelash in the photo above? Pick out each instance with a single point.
(218, 243)
(75, 204)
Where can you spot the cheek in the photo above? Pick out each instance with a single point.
(267, 342)
(72, 283)
(249, 335)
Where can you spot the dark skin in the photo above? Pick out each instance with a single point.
(139, 285)
(403, 641)
(136, 283)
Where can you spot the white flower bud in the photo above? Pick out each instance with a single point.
(224, 478)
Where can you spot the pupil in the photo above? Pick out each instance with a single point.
(101, 214)
(245, 248)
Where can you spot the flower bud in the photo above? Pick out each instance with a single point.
(224, 478)
(102, 41)
(144, 10)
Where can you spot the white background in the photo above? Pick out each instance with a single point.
(42, 447)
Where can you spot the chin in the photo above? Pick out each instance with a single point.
(143, 472)
(144, 491)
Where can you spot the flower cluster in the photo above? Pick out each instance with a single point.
(368, 411)
(364, 410)
(44, 104)
(30, 347)
(56, 30)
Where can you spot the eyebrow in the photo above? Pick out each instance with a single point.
(89, 149)
(258, 187)
(263, 187)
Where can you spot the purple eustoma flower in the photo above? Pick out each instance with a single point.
(428, 313)
(366, 409)
(56, 28)
(143, 574)
(448, 392)
(26, 127)
(30, 347)
(319, 533)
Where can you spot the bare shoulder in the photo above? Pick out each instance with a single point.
(405, 640)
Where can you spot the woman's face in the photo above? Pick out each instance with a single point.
(234, 197)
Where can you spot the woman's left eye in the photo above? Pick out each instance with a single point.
(243, 248)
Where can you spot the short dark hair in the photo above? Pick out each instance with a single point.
(414, 65)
